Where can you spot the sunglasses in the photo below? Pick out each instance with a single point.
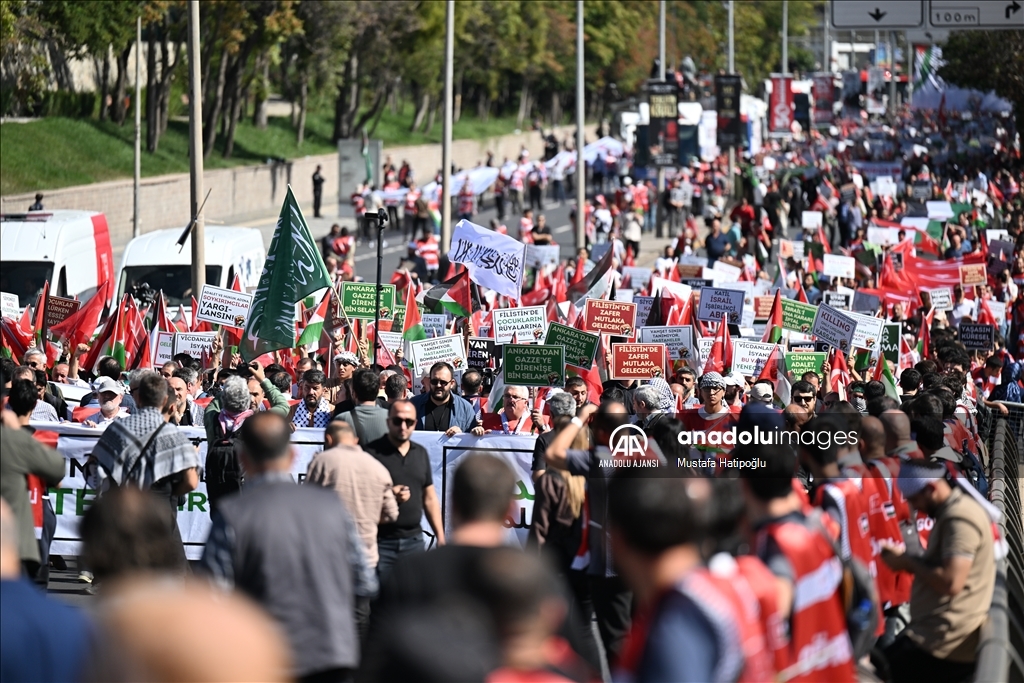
(399, 422)
(803, 399)
(439, 382)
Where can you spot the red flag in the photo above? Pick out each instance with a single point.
(198, 326)
(144, 357)
(233, 335)
(559, 290)
(985, 315)
(629, 257)
(79, 327)
(40, 317)
(924, 340)
(720, 358)
(775, 371)
(577, 274)
(840, 372)
(801, 295)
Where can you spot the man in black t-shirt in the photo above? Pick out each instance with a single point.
(409, 466)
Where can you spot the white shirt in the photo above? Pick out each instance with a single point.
(964, 308)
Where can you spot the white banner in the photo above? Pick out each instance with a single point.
(163, 348)
(540, 255)
(749, 357)
(678, 339)
(73, 498)
(868, 334)
(450, 349)
(9, 307)
(494, 261)
(811, 220)
(223, 306)
(715, 302)
(836, 265)
(194, 344)
(528, 324)
(834, 327)
(435, 324)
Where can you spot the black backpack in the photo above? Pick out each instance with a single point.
(224, 474)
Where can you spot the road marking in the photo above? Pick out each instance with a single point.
(385, 252)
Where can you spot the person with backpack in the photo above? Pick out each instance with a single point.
(808, 570)
(223, 472)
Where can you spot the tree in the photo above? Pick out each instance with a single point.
(987, 61)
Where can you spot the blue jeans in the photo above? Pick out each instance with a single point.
(391, 550)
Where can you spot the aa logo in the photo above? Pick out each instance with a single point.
(628, 441)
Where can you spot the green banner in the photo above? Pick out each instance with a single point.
(798, 316)
(580, 346)
(891, 342)
(799, 362)
(359, 298)
(534, 365)
(398, 322)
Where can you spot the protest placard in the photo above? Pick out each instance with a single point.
(637, 361)
(865, 303)
(580, 346)
(745, 286)
(801, 346)
(884, 186)
(194, 344)
(798, 316)
(883, 237)
(848, 192)
(163, 348)
(697, 282)
(225, 307)
(435, 324)
(834, 327)
(609, 317)
(725, 272)
(939, 210)
(692, 260)
(749, 357)
(797, 363)
(977, 337)
(450, 349)
(9, 306)
(868, 332)
(643, 309)
(59, 309)
(392, 341)
(942, 298)
(534, 365)
(897, 260)
(810, 220)
(839, 266)
(704, 350)
(666, 287)
(973, 274)
(840, 300)
(763, 307)
(891, 342)
(920, 191)
(358, 300)
(690, 271)
(638, 277)
(528, 324)
(715, 301)
(483, 352)
(540, 255)
(998, 309)
(678, 339)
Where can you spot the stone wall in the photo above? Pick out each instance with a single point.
(248, 192)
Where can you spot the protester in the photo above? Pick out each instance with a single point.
(410, 469)
(285, 546)
(441, 410)
(314, 410)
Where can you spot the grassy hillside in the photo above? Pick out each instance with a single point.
(59, 152)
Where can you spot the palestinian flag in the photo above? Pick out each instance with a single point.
(924, 340)
(884, 375)
(454, 295)
(580, 289)
(413, 322)
(315, 324)
(775, 371)
(773, 330)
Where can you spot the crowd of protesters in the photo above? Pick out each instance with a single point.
(872, 557)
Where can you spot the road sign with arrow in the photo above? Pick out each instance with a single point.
(976, 14)
(862, 14)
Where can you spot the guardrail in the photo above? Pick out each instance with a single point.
(1001, 651)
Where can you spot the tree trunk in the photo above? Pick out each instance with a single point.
(261, 92)
(105, 86)
(556, 108)
(457, 100)
(373, 112)
(393, 102)
(524, 105)
(238, 93)
(421, 111)
(432, 116)
(300, 127)
(483, 107)
(167, 69)
(213, 112)
(376, 119)
(348, 100)
(121, 86)
(152, 96)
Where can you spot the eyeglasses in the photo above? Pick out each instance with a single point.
(713, 389)
(439, 382)
(399, 422)
(509, 397)
(804, 399)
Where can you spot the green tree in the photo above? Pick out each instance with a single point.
(987, 61)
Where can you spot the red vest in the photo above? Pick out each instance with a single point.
(886, 518)
(465, 201)
(764, 587)
(429, 250)
(819, 647)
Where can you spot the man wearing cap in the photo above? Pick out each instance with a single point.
(110, 394)
(735, 384)
(713, 415)
(762, 392)
(953, 580)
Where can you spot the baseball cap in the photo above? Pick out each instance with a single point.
(735, 379)
(762, 393)
(104, 384)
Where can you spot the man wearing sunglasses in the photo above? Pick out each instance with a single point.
(409, 466)
(441, 410)
(803, 395)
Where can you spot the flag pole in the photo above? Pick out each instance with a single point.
(382, 218)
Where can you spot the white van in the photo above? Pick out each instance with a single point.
(154, 259)
(70, 249)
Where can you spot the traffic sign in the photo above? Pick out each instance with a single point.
(976, 14)
(858, 14)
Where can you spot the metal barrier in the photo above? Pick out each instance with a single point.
(1001, 651)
